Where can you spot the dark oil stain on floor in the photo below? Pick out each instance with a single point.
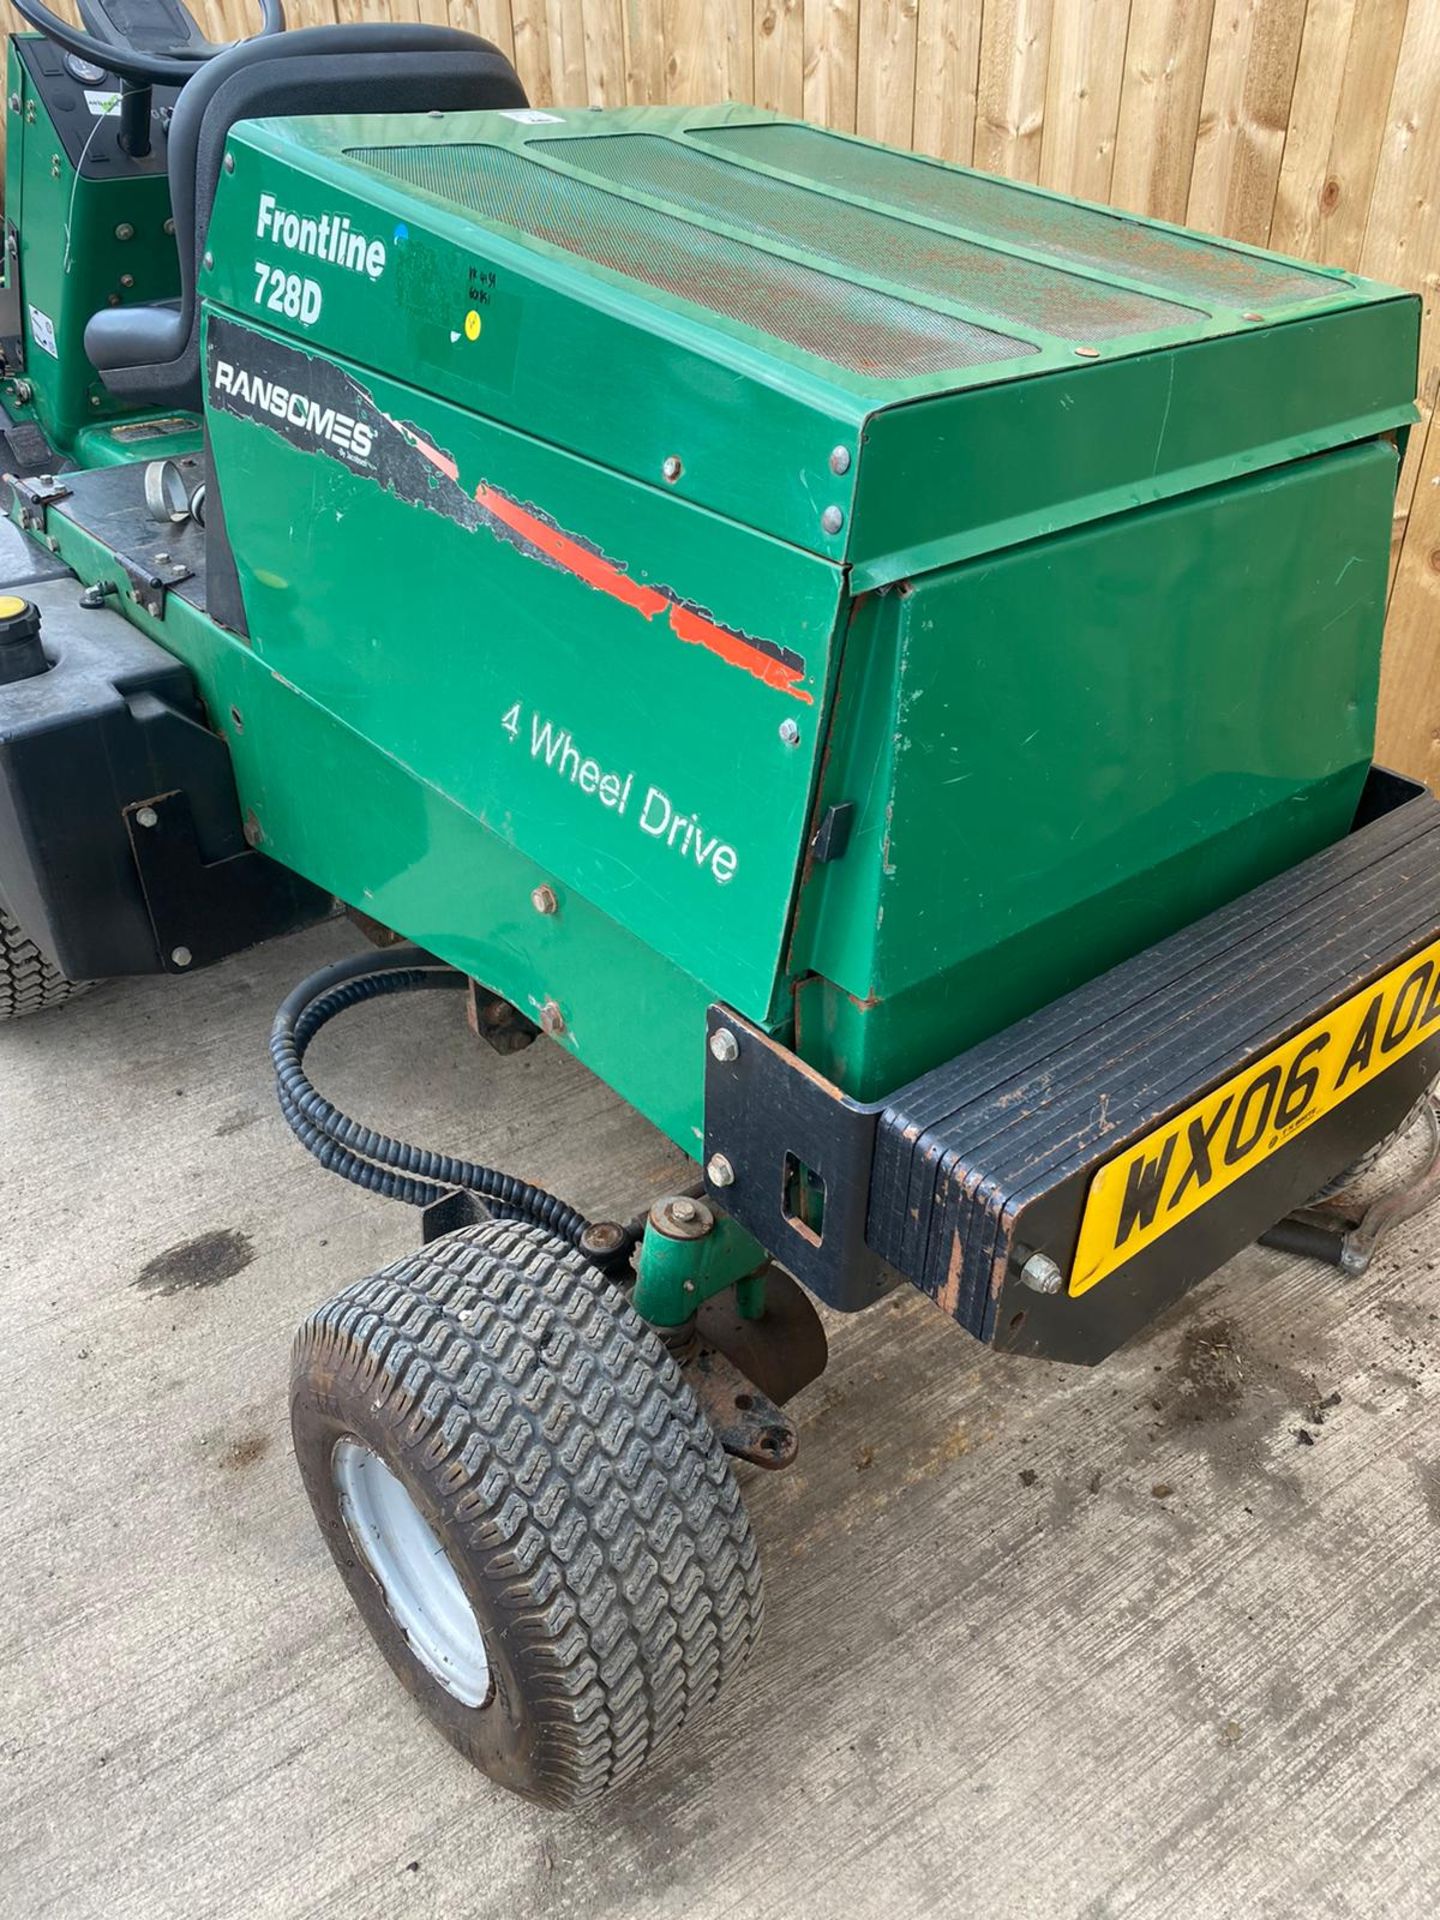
(204, 1261)
(245, 1452)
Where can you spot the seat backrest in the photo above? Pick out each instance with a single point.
(152, 354)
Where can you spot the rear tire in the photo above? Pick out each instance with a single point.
(590, 1580)
(29, 983)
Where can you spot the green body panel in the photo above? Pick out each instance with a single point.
(73, 260)
(954, 477)
(571, 722)
(524, 224)
(1065, 751)
(773, 472)
(329, 804)
(546, 334)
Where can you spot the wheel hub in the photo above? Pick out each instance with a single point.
(405, 1555)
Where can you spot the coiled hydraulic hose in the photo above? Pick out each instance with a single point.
(374, 1160)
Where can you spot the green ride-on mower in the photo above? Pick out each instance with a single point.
(878, 662)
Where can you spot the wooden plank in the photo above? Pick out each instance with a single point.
(1160, 98)
(1402, 232)
(832, 42)
(1409, 730)
(1014, 58)
(533, 51)
(565, 21)
(1082, 96)
(710, 51)
(780, 55)
(489, 18)
(1244, 114)
(1337, 122)
(885, 89)
(602, 26)
(947, 78)
(645, 60)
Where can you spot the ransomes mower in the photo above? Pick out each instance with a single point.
(878, 662)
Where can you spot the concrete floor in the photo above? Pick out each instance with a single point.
(1004, 1671)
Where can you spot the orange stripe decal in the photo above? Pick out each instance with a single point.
(605, 577)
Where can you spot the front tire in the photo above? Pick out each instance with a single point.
(29, 982)
(527, 1506)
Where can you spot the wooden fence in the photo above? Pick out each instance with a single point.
(1312, 126)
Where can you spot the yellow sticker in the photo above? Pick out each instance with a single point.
(1161, 1180)
(472, 325)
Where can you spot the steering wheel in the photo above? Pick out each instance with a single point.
(147, 42)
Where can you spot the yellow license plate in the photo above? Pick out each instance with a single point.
(1151, 1187)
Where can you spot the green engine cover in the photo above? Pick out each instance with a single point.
(845, 586)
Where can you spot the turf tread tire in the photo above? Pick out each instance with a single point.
(549, 1436)
(29, 983)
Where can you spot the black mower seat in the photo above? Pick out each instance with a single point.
(151, 354)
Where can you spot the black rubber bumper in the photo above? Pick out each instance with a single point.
(1200, 1091)
(122, 846)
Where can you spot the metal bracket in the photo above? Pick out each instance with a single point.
(1350, 1241)
(151, 581)
(35, 497)
(748, 1424)
(203, 910)
(770, 1122)
(503, 1027)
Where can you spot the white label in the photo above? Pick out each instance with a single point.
(655, 814)
(326, 236)
(287, 293)
(531, 116)
(101, 104)
(42, 332)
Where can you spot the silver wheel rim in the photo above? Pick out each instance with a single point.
(413, 1571)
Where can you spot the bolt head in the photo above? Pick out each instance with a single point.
(832, 519)
(552, 1020)
(14, 103)
(790, 733)
(169, 226)
(671, 467)
(543, 900)
(678, 1217)
(602, 1236)
(208, 262)
(229, 163)
(1041, 1274)
(840, 460)
(719, 1172)
(724, 1046)
(127, 279)
(147, 817)
(124, 231)
(181, 956)
(1087, 353)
